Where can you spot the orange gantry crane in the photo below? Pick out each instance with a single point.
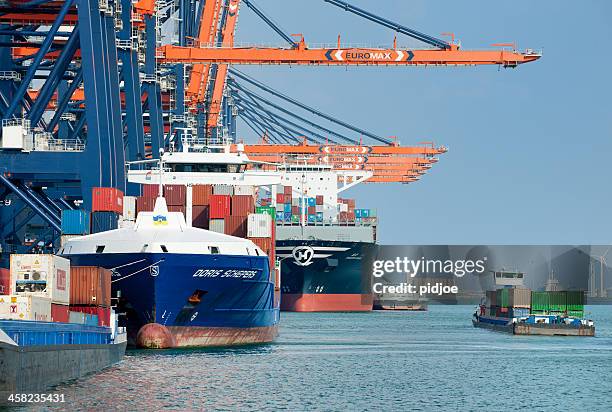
(389, 163)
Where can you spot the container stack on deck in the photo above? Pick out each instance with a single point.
(106, 210)
(90, 295)
(521, 302)
(47, 288)
(219, 208)
(289, 208)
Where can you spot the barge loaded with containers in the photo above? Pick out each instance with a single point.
(521, 311)
(56, 324)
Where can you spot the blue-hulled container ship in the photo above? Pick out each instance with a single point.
(182, 286)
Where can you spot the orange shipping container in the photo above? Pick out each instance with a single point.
(107, 199)
(144, 204)
(173, 208)
(236, 226)
(150, 191)
(242, 205)
(201, 195)
(175, 195)
(90, 285)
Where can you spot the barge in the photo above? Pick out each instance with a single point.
(36, 355)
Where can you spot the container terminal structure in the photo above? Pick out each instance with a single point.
(86, 86)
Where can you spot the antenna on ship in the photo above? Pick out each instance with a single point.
(161, 173)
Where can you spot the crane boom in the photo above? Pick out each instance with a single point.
(344, 56)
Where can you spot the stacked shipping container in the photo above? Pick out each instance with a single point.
(41, 287)
(520, 302)
(90, 293)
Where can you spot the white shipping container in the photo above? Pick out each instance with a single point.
(244, 190)
(223, 190)
(76, 317)
(319, 208)
(43, 275)
(129, 208)
(343, 207)
(216, 225)
(259, 225)
(25, 307)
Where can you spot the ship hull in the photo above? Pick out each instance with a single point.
(334, 280)
(182, 300)
(49, 365)
(521, 328)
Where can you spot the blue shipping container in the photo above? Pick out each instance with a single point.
(312, 201)
(365, 212)
(104, 221)
(75, 222)
(319, 216)
(280, 215)
(312, 218)
(91, 320)
(32, 333)
(287, 216)
(288, 207)
(357, 213)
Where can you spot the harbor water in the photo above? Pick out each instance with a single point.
(433, 360)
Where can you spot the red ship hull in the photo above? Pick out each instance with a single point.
(156, 336)
(316, 302)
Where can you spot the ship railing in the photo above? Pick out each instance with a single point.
(329, 223)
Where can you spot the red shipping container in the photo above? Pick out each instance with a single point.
(199, 217)
(319, 199)
(201, 195)
(242, 205)
(287, 190)
(90, 285)
(144, 204)
(280, 198)
(236, 226)
(175, 208)
(107, 199)
(103, 316)
(350, 203)
(5, 281)
(312, 210)
(151, 191)
(175, 195)
(350, 216)
(60, 313)
(295, 210)
(220, 206)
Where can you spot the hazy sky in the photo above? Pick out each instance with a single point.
(530, 149)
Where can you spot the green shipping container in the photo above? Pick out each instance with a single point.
(503, 297)
(269, 210)
(295, 218)
(539, 302)
(558, 302)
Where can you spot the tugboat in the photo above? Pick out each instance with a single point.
(518, 310)
(182, 286)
